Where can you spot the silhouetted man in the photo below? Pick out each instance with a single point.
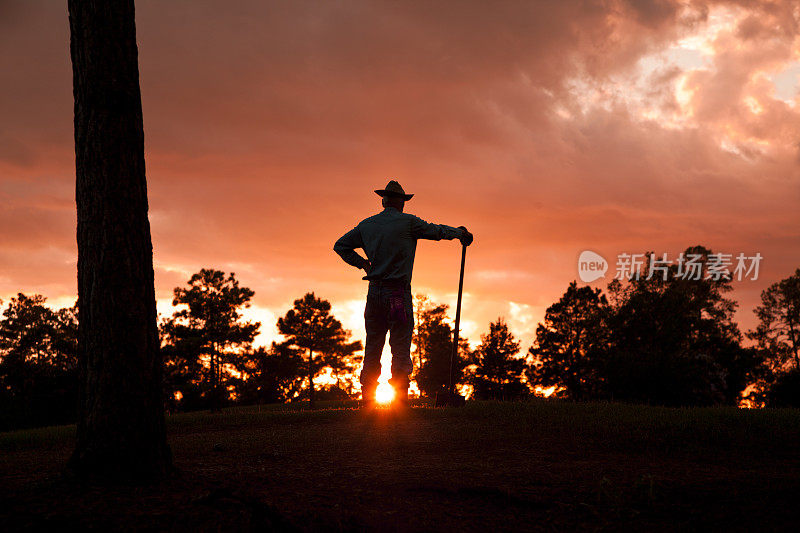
(389, 240)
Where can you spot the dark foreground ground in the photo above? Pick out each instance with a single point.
(488, 466)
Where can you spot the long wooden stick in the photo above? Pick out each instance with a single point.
(454, 353)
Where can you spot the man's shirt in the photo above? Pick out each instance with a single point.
(390, 241)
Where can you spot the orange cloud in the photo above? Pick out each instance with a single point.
(547, 128)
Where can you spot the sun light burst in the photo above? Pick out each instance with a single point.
(384, 394)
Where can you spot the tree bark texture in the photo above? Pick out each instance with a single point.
(121, 433)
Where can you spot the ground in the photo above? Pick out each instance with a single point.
(542, 465)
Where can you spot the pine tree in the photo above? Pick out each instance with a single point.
(311, 328)
(208, 338)
(496, 370)
(433, 338)
(570, 344)
(38, 363)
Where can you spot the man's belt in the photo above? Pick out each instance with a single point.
(390, 284)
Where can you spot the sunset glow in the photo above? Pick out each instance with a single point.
(547, 131)
(566, 230)
(544, 392)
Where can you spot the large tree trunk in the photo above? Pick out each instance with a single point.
(121, 432)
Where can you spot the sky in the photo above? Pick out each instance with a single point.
(547, 128)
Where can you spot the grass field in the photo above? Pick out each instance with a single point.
(543, 465)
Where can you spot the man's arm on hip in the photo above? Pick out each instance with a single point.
(346, 246)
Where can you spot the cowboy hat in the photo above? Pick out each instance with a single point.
(394, 189)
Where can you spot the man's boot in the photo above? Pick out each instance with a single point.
(368, 396)
(400, 387)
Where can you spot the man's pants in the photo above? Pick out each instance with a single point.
(389, 308)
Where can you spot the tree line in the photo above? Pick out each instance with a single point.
(670, 341)
(664, 340)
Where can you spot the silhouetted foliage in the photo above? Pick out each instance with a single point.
(433, 338)
(343, 368)
(785, 390)
(273, 376)
(674, 342)
(571, 345)
(778, 331)
(496, 371)
(669, 342)
(332, 393)
(207, 340)
(319, 337)
(38, 363)
(777, 336)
